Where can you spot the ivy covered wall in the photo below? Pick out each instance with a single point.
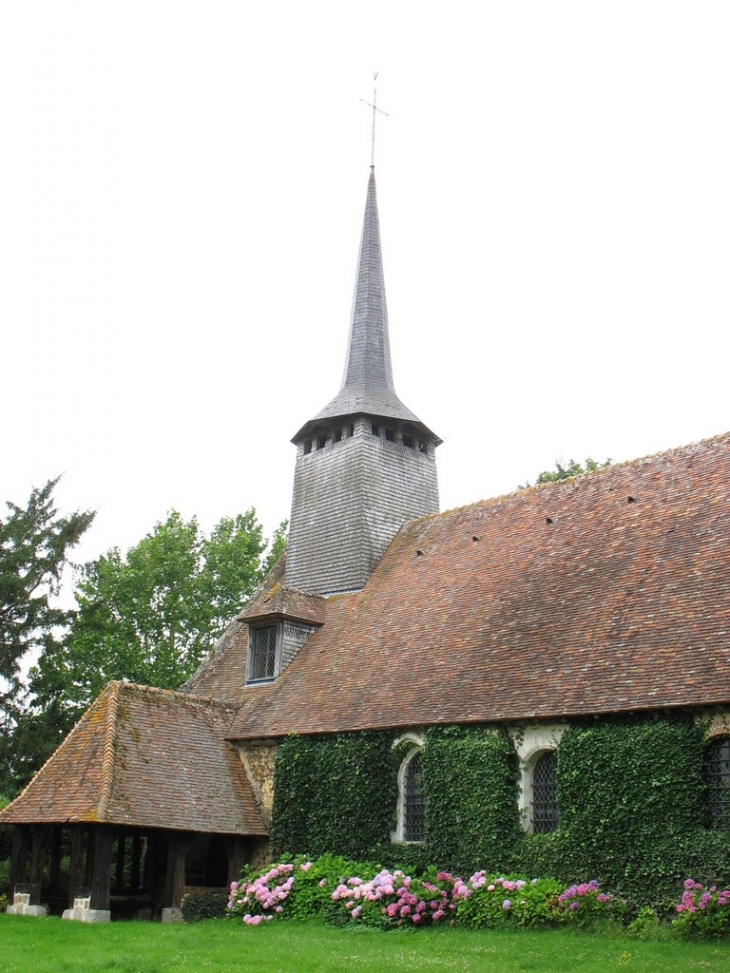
(630, 791)
(334, 793)
(632, 804)
(470, 779)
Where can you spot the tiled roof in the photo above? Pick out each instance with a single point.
(146, 758)
(280, 601)
(605, 593)
(223, 673)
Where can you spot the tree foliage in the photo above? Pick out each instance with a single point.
(151, 615)
(34, 546)
(564, 471)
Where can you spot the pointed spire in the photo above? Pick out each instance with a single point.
(367, 384)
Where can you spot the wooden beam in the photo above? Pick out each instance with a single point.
(40, 837)
(178, 844)
(101, 879)
(75, 865)
(136, 860)
(54, 872)
(236, 849)
(119, 869)
(19, 856)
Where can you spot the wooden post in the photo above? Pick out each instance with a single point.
(236, 851)
(119, 870)
(90, 850)
(54, 873)
(19, 856)
(178, 844)
(136, 857)
(40, 837)
(75, 864)
(101, 879)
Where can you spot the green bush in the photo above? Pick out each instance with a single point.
(703, 912)
(630, 790)
(413, 858)
(495, 900)
(204, 905)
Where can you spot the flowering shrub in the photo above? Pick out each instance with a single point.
(489, 900)
(301, 886)
(586, 905)
(703, 911)
(263, 898)
(391, 899)
(344, 891)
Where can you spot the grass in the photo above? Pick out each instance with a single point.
(54, 946)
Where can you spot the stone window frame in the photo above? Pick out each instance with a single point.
(549, 817)
(253, 650)
(416, 741)
(717, 781)
(531, 743)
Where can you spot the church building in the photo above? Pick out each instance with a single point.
(600, 600)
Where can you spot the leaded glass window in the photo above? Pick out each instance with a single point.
(545, 814)
(718, 782)
(262, 653)
(414, 807)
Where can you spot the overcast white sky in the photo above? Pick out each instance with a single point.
(181, 191)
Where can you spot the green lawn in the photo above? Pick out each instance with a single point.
(30, 945)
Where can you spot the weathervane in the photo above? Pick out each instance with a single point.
(374, 106)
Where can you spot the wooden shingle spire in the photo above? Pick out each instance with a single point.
(365, 463)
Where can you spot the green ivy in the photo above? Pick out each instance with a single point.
(470, 778)
(335, 793)
(630, 791)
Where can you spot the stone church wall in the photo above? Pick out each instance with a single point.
(259, 759)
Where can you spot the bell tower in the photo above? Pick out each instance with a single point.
(365, 463)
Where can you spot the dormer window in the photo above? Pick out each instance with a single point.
(272, 647)
(262, 645)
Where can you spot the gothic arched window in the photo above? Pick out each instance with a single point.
(412, 800)
(717, 775)
(545, 813)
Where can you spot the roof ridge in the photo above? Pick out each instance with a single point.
(108, 750)
(177, 694)
(57, 753)
(560, 484)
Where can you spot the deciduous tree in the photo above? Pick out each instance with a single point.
(564, 471)
(151, 615)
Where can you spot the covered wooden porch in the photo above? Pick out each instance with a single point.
(143, 801)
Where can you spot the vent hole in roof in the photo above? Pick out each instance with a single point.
(475, 539)
(419, 553)
(548, 520)
(631, 500)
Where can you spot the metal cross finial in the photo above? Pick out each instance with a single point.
(374, 106)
